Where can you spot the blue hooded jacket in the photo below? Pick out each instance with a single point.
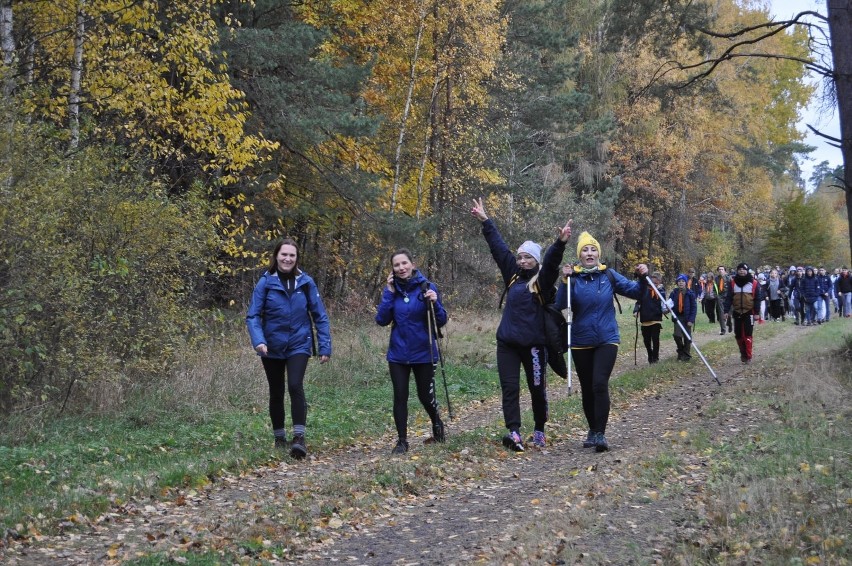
(690, 306)
(282, 320)
(810, 286)
(409, 338)
(593, 323)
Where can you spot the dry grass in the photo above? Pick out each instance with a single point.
(782, 492)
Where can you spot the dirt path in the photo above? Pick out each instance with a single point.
(529, 507)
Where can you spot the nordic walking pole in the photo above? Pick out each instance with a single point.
(685, 333)
(433, 324)
(636, 342)
(569, 315)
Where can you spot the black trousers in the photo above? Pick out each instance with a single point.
(776, 308)
(594, 366)
(424, 379)
(294, 368)
(713, 309)
(651, 338)
(510, 359)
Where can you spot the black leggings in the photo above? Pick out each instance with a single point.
(594, 366)
(294, 367)
(424, 378)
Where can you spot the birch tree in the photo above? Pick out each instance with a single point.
(147, 73)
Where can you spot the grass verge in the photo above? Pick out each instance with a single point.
(208, 420)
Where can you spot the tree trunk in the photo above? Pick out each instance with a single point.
(76, 79)
(7, 44)
(840, 29)
(424, 160)
(443, 178)
(412, 81)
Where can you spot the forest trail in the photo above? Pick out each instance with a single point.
(529, 507)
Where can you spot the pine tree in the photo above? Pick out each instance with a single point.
(800, 234)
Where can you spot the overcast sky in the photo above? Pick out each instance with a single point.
(824, 120)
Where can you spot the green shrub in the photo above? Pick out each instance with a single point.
(98, 272)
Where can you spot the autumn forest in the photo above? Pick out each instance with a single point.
(153, 151)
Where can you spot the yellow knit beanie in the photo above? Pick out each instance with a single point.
(586, 239)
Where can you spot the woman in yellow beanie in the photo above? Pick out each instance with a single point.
(520, 335)
(594, 330)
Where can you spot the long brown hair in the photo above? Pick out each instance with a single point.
(273, 263)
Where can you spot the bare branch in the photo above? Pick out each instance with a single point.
(809, 65)
(837, 141)
(784, 24)
(767, 29)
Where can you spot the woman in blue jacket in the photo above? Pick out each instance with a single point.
(594, 330)
(285, 308)
(405, 306)
(521, 333)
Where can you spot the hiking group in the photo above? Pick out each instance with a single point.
(287, 323)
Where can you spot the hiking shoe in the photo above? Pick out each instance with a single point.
(538, 440)
(438, 432)
(590, 440)
(298, 450)
(513, 441)
(281, 443)
(401, 447)
(600, 443)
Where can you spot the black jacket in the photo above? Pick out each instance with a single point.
(649, 305)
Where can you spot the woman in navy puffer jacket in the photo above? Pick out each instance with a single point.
(405, 305)
(810, 288)
(521, 341)
(284, 309)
